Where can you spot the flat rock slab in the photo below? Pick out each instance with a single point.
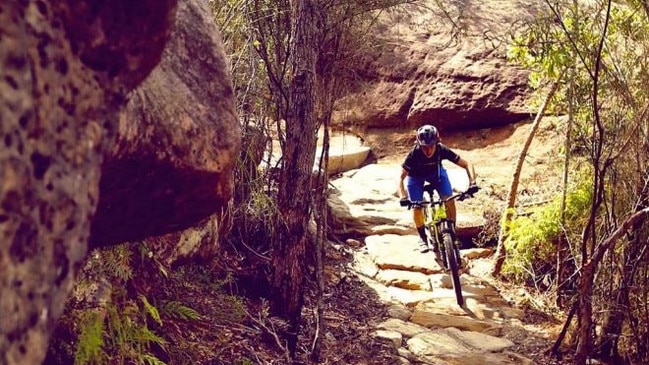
(390, 294)
(344, 159)
(486, 359)
(443, 320)
(372, 190)
(407, 329)
(451, 342)
(404, 279)
(436, 344)
(391, 251)
(364, 265)
(480, 341)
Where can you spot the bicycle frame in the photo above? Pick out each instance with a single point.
(441, 233)
(436, 218)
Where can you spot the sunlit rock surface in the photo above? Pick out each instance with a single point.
(446, 67)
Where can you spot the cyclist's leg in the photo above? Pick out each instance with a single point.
(415, 189)
(444, 189)
(432, 231)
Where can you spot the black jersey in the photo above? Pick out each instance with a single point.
(418, 165)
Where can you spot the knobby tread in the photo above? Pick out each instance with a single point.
(453, 265)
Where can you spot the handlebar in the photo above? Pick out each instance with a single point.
(459, 196)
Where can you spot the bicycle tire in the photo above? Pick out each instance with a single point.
(454, 267)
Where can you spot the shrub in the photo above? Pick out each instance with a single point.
(532, 240)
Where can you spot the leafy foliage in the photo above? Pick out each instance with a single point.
(601, 48)
(115, 262)
(128, 336)
(150, 310)
(176, 309)
(531, 243)
(118, 329)
(118, 319)
(91, 342)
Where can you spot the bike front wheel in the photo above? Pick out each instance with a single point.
(453, 260)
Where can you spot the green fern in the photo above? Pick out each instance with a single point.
(129, 337)
(90, 345)
(150, 309)
(119, 332)
(152, 360)
(143, 335)
(116, 262)
(178, 310)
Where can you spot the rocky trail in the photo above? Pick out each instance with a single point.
(425, 324)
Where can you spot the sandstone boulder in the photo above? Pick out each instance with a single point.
(177, 140)
(442, 67)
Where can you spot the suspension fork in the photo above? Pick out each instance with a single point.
(432, 228)
(446, 225)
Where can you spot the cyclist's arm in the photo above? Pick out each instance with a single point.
(468, 166)
(402, 188)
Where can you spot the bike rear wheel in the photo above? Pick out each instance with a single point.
(454, 266)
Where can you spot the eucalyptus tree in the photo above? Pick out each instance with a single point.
(604, 47)
(316, 56)
(308, 50)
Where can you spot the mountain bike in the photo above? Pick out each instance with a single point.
(441, 233)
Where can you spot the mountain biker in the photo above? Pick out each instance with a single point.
(424, 164)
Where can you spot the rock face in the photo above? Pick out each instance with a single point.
(449, 70)
(66, 68)
(177, 139)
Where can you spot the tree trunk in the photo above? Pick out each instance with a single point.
(508, 214)
(320, 215)
(620, 310)
(294, 196)
(563, 251)
(613, 320)
(584, 344)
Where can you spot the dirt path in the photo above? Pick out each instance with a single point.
(425, 324)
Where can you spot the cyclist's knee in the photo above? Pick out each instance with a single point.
(418, 217)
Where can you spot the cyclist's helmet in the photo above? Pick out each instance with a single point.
(427, 135)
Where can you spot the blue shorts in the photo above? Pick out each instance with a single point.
(415, 185)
